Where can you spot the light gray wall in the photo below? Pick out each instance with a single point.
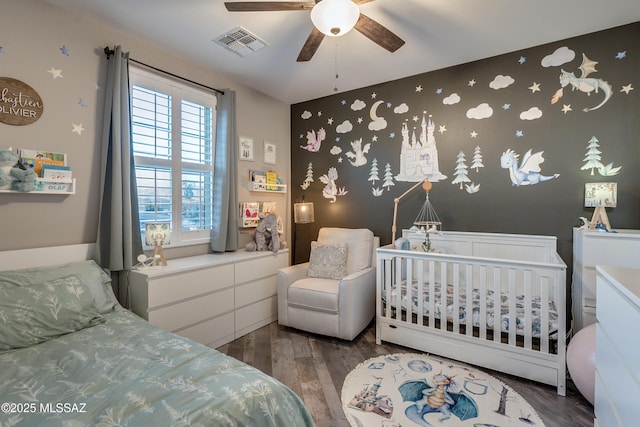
(31, 36)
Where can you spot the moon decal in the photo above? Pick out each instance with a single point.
(374, 108)
(377, 123)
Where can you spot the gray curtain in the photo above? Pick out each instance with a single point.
(224, 231)
(119, 241)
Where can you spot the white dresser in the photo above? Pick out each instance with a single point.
(212, 299)
(591, 248)
(617, 392)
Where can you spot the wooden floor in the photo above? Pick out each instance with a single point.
(315, 368)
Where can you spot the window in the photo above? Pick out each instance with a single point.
(173, 131)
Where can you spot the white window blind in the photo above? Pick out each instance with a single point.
(173, 131)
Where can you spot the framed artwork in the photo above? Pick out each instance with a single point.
(269, 153)
(246, 148)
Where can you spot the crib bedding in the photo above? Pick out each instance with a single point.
(126, 372)
(490, 320)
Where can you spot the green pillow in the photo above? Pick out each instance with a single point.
(90, 273)
(33, 314)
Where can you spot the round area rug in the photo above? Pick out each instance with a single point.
(406, 389)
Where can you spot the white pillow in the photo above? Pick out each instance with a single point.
(328, 261)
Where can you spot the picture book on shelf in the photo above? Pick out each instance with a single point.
(250, 214)
(35, 159)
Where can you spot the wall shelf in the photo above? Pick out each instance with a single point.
(48, 187)
(263, 187)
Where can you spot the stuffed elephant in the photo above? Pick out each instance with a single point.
(266, 237)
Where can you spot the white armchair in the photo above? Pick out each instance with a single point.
(341, 308)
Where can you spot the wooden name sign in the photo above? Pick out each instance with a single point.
(20, 104)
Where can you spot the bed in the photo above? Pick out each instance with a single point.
(493, 300)
(71, 356)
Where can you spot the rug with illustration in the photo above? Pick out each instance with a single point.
(407, 389)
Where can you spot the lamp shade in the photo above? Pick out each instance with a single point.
(335, 17)
(303, 213)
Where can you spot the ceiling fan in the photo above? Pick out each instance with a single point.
(327, 20)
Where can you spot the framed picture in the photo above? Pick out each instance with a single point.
(246, 148)
(269, 153)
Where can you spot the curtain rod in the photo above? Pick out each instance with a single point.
(110, 52)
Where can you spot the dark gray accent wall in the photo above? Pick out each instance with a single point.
(562, 133)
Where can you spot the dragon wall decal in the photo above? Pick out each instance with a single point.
(584, 83)
(527, 173)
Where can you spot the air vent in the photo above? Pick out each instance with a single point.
(241, 41)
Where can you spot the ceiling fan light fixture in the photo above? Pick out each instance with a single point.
(335, 17)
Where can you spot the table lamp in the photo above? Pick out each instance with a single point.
(600, 195)
(156, 235)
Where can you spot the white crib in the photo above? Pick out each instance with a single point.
(470, 274)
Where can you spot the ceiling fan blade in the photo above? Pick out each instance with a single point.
(378, 33)
(310, 46)
(267, 6)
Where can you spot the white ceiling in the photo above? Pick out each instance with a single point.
(438, 34)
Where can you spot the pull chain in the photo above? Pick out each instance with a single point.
(335, 63)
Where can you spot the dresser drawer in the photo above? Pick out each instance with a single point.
(260, 313)
(187, 313)
(215, 332)
(619, 319)
(620, 385)
(255, 291)
(175, 287)
(247, 271)
(610, 249)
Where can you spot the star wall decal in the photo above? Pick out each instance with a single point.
(506, 106)
(392, 135)
(339, 159)
(566, 108)
(330, 121)
(374, 95)
(626, 89)
(535, 87)
(519, 134)
(319, 113)
(55, 73)
(64, 50)
(419, 88)
(439, 90)
(359, 120)
(474, 134)
(375, 138)
(442, 129)
(77, 128)
(415, 118)
(472, 82)
(522, 60)
(621, 55)
(343, 102)
(82, 102)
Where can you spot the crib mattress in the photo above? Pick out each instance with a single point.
(490, 320)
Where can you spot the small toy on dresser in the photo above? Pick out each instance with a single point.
(12, 175)
(267, 235)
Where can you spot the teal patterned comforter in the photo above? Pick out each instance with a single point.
(126, 372)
